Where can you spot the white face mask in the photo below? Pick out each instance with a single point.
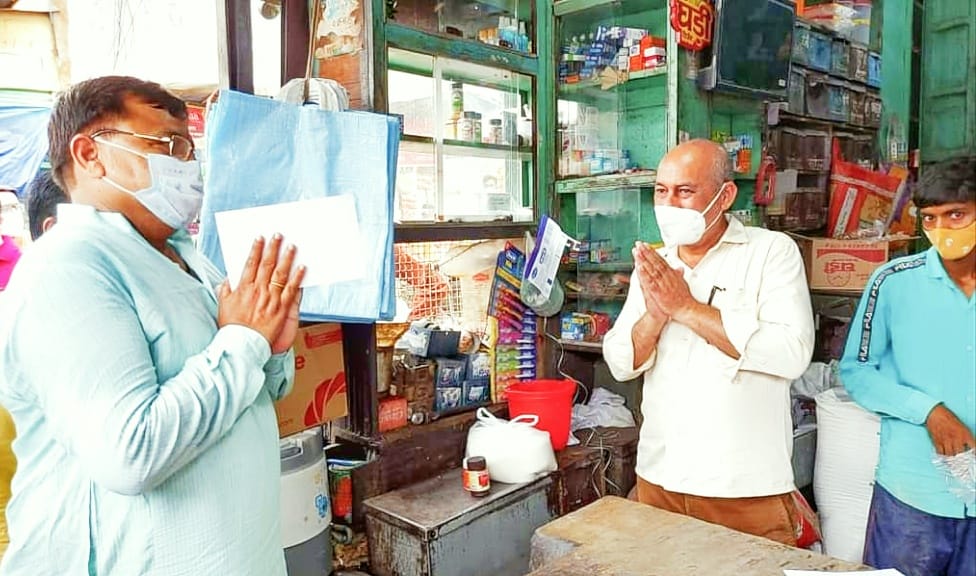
(175, 192)
(684, 226)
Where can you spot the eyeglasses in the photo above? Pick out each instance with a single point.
(180, 147)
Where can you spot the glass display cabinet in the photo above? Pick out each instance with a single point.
(612, 129)
(464, 77)
(508, 24)
(467, 152)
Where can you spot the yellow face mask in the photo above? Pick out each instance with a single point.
(953, 244)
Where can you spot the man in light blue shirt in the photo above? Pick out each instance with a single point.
(141, 386)
(911, 357)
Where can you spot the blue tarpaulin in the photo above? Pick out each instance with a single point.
(262, 152)
(23, 141)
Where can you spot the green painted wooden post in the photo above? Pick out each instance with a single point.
(896, 71)
(545, 107)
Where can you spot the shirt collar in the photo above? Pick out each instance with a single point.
(79, 214)
(933, 263)
(735, 233)
(73, 212)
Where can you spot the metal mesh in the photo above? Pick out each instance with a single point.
(428, 292)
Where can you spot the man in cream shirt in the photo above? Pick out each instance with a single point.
(719, 323)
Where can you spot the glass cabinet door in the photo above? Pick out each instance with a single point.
(611, 87)
(467, 151)
(503, 23)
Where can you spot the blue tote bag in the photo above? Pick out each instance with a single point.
(262, 152)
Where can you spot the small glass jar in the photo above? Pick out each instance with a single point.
(495, 131)
(477, 127)
(475, 476)
(465, 128)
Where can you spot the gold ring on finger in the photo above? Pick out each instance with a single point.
(278, 285)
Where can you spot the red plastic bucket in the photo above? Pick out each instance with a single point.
(550, 400)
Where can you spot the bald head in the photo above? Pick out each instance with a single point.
(697, 175)
(708, 160)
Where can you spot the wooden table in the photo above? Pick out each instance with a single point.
(617, 537)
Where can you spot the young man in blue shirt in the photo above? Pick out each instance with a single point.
(910, 358)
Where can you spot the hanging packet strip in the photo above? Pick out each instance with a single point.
(262, 152)
(543, 262)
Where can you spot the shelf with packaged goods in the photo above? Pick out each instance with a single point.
(470, 149)
(836, 76)
(601, 182)
(791, 118)
(400, 36)
(599, 87)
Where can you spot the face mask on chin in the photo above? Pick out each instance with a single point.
(684, 226)
(953, 244)
(175, 192)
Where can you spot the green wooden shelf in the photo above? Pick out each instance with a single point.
(593, 87)
(482, 150)
(605, 267)
(596, 297)
(603, 182)
(408, 38)
(473, 149)
(581, 346)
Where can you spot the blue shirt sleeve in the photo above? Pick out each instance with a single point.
(279, 374)
(868, 347)
(280, 369)
(92, 372)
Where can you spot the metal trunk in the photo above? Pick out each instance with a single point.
(435, 528)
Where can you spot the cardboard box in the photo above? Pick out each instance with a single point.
(319, 394)
(392, 413)
(840, 264)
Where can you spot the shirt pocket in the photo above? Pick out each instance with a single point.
(737, 306)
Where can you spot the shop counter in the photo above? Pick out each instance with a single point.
(617, 537)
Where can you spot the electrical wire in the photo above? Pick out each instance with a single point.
(559, 368)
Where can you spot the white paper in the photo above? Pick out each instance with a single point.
(325, 232)
(885, 572)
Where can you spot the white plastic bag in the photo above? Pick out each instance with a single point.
(960, 471)
(604, 409)
(515, 451)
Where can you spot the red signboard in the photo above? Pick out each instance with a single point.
(692, 20)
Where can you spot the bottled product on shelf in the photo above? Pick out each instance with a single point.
(624, 50)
